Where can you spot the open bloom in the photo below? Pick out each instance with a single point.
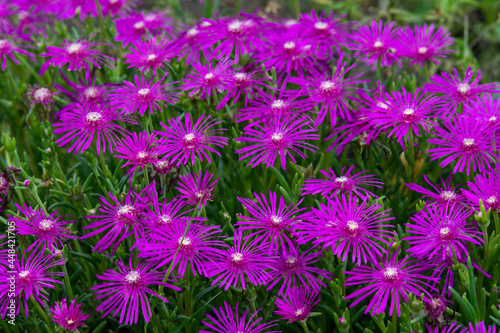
(126, 291)
(9, 48)
(151, 54)
(468, 142)
(67, 9)
(183, 142)
(40, 96)
(441, 231)
(195, 40)
(454, 327)
(228, 321)
(86, 93)
(486, 187)
(487, 109)
(297, 304)
(117, 7)
(388, 280)
(424, 44)
(456, 91)
(208, 80)
(69, 318)
(278, 138)
(197, 188)
(83, 124)
(138, 150)
(133, 27)
(270, 219)
(442, 196)
(479, 328)
(345, 183)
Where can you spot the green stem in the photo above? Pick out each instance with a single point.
(304, 326)
(67, 282)
(42, 314)
(146, 174)
(101, 20)
(395, 319)
(497, 223)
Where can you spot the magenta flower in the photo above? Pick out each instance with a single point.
(345, 183)
(131, 28)
(435, 307)
(391, 279)
(142, 95)
(209, 80)
(486, 108)
(424, 44)
(333, 92)
(164, 215)
(278, 138)
(457, 92)
(444, 232)
(454, 327)
(8, 49)
(245, 261)
(85, 123)
(197, 188)
(117, 7)
(47, 230)
(184, 143)
(126, 291)
(164, 166)
(69, 318)
(486, 187)
(184, 245)
(270, 220)
(466, 141)
(479, 328)
(151, 54)
(77, 55)
(293, 268)
(86, 93)
(297, 304)
(40, 96)
(195, 40)
(119, 220)
(138, 150)
(229, 322)
(66, 9)
(377, 42)
(441, 196)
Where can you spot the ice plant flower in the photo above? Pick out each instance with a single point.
(69, 318)
(208, 80)
(435, 307)
(467, 141)
(377, 42)
(293, 268)
(454, 327)
(195, 40)
(184, 245)
(126, 291)
(345, 182)
(151, 54)
(245, 261)
(48, 229)
(78, 55)
(131, 28)
(117, 7)
(487, 109)
(441, 196)
(142, 96)
(228, 321)
(269, 219)
(297, 304)
(278, 138)
(67, 9)
(84, 124)
(9, 48)
(197, 188)
(86, 93)
(455, 91)
(40, 96)
(479, 328)
(138, 150)
(423, 44)
(486, 187)
(388, 281)
(444, 232)
(183, 142)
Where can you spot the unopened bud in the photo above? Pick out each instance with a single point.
(26, 183)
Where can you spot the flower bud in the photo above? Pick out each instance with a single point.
(26, 183)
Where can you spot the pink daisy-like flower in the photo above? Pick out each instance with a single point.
(208, 80)
(117, 7)
(486, 108)
(245, 261)
(69, 318)
(48, 230)
(184, 245)
(86, 93)
(444, 232)
(457, 92)
(184, 143)
(151, 54)
(441, 196)
(377, 42)
(197, 188)
(126, 291)
(278, 138)
(334, 93)
(133, 27)
(85, 123)
(66, 9)
(229, 322)
(423, 44)
(40, 96)
(142, 95)
(77, 55)
(195, 40)
(391, 279)
(345, 183)
(138, 150)
(479, 328)
(9, 48)
(349, 226)
(435, 307)
(294, 268)
(297, 304)
(468, 142)
(486, 187)
(119, 220)
(270, 219)
(454, 327)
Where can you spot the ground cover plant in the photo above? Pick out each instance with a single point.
(300, 167)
